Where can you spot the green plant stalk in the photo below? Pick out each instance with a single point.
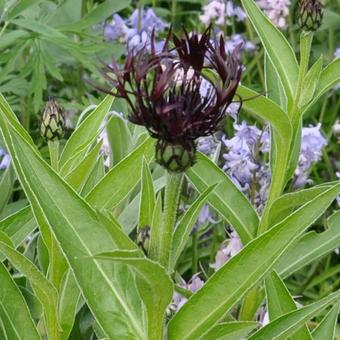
(172, 194)
(251, 303)
(57, 261)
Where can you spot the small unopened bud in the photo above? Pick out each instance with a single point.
(53, 121)
(310, 15)
(143, 238)
(175, 157)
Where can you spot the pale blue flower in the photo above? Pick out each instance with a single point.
(5, 159)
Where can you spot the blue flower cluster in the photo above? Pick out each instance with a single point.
(136, 30)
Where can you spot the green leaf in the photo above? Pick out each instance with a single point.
(274, 88)
(224, 288)
(95, 176)
(20, 7)
(286, 203)
(68, 302)
(129, 218)
(227, 199)
(147, 197)
(97, 15)
(14, 312)
(116, 185)
(286, 325)
(56, 205)
(276, 46)
(6, 186)
(185, 225)
(78, 176)
(19, 225)
(329, 77)
(280, 302)
(326, 328)
(38, 27)
(310, 82)
(43, 289)
(12, 37)
(119, 137)
(310, 247)
(85, 134)
(155, 287)
(230, 331)
(157, 218)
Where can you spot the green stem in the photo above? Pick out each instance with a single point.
(140, 10)
(173, 11)
(53, 147)
(172, 195)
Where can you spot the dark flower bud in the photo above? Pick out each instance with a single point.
(143, 238)
(53, 121)
(175, 157)
(310, 15)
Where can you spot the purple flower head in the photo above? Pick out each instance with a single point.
(163, 91)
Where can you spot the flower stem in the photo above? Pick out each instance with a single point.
(172, 195)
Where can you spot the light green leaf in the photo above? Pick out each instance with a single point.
(56, 205)
(276, 46)
(147, 197)
(97, 15)
(227, 199)
(68, 301)
(6, 186)
(119, 137)
(310, 247)
(21, 6)
(326, 328)
(43, 289)
(310, 82)
(19, 225)
(128, 218)
(95, 176)
(116, 185)
(229, 331)
(185, 225)
(78, 175)
(14, 312)
(329, 77)
(155, 286)
(224, 288)
(287, 324)
(286, 203)
(157, 219)
(280, 302)
(85, 134)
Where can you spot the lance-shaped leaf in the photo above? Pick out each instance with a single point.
(288, 324)
(244, 270)
(230, 331)
(326, 328)
(276, 46)
(81, 139)
(280, 302)
(80, 234)
(310, 247)
(154, 284)
(122, 178)
(227, 199)
(43, 289)
(14, 313)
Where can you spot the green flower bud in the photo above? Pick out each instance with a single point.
(175, 157)
(310, 15)
(53, 121)
(143, 238)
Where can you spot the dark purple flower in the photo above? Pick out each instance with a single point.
(163, 92)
